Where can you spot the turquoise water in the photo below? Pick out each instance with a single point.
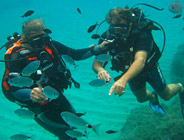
(70, 28)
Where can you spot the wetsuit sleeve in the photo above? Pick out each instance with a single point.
(76, 54)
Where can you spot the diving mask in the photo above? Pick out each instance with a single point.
(39, 40)
(118, 31)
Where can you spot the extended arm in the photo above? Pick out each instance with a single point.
(102, 73)
(78, 54)
(81, 54)
(135, 68)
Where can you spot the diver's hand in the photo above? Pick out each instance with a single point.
(104, 45)
(98, 49)
(103, 74)
(118, 87)
(37, 95)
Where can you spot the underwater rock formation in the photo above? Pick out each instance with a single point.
(177, 67)
(144, 124)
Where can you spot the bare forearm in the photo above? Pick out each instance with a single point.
(136, 67)
(97, 66)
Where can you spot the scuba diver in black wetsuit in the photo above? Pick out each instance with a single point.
(135, 54)
(36, 45)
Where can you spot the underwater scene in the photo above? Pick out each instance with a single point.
(78, 24)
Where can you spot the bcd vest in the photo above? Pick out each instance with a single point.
(51, 66)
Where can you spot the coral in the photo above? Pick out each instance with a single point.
(144, 124)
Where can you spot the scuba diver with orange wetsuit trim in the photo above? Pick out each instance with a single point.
(36, 45)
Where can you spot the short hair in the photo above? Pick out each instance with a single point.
(35, 26)
(118, 14)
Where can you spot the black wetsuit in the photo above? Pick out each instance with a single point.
(123, 53)
(52, 69)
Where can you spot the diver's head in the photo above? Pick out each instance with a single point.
(120, 21)
(32, 28)
(34, 34)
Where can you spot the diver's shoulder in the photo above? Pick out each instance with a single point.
(144, 34)
(57, 43)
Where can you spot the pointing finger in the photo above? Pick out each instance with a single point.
(111, 90)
